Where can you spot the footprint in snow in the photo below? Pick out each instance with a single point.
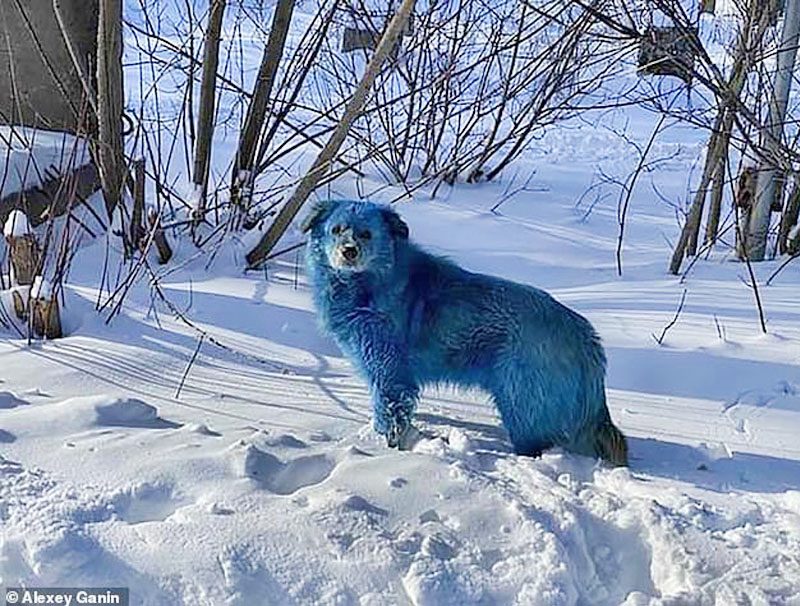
(8, 400)
(281, 477)
(147, 503)
(123, 412)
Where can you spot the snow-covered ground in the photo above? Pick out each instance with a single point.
(262, 483)
(223, 454)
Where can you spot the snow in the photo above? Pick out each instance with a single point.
(28, 154)
(195, 197)
(16, 225)
(41, 288)
(264, 484)
(251, 475)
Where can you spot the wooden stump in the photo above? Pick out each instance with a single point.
(20, 305)
(25, 257)
(159, 237)
(33, 298)
(45, 318)
(745, 196)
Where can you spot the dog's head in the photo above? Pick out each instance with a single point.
(354, 236)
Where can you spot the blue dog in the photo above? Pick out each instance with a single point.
(407, 318)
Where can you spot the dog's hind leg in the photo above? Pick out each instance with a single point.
(521, 427)
(610, 444)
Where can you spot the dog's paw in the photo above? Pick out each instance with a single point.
(396, 434)
(408, 438)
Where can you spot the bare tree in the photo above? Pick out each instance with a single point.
(752, 31)
(205, 119)
(323, 162)
(110, 150)
(773, 134)
(242, 179)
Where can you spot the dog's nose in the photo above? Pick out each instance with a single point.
(350, 252)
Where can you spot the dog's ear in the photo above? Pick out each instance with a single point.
(397, 227)
(318, 213)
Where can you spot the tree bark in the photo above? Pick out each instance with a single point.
(720, 137)
(205, 119)
(789, 221)
(715, 211)
(110, 150)
(242, 178)
(137, 214)
(773, 133)
(322, 164)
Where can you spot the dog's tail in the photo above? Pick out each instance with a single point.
(610, 444)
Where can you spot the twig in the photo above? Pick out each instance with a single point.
(753, 284)
(660, 340)
(189, 366)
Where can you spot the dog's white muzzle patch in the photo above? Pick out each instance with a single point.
(346, 256)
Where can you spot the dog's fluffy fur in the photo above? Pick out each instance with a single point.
(407, 318)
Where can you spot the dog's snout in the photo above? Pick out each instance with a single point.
(350, 252)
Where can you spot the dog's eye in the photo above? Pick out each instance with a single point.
(365, 235)
(336, 230)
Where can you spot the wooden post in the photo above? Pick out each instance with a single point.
(25, 259)
(789, 221)
(137, 215)
(45, 318)
(714, 213)
(25, 256)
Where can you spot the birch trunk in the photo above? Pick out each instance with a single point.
(769, 170)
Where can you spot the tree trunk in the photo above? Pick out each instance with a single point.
(205, 119)
(715, 211)
(25, 257)
(137, 215)
(109, 149)
(159, 237)
(789, 221)
(45, 318)
(773, 133)
(322, 164)
(242, 178)
(692, 225)
(720, 137)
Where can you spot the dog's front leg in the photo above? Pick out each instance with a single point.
(394, 394)
(384, 360)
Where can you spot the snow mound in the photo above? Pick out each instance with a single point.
(41, 289)
(16, 225)
(277, 476)
(83, 414)
(128, 413)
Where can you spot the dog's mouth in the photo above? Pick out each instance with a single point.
(347, 256)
